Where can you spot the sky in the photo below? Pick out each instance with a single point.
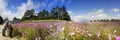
(79, 10)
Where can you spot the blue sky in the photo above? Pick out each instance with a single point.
(79, 10)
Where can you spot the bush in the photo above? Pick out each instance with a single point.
(16, 33)
(1, 20)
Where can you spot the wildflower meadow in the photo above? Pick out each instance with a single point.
(66, 30)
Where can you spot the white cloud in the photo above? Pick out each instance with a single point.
(23, 7)
(70, 12)
(93, 15)
(98, 14)
(116, 9)
(20, 9)
(118, 15)
(4, 12)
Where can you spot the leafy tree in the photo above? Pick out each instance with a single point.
(64, 13)
(44, 14)
(1, 20)
(52, 13)
(29, 14)
(15, 19)
(60, 13)
(66, 16)
(95, 20)
(55, 13)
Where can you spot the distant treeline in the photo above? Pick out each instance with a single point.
(56, 13)
(106, 20)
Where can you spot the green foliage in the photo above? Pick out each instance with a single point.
(60, 13)
(6, 19)
(55, 14)
(1, 20)
(29, 33)
(29, 14)
(15, 19)
(43, 14)
(66, 16)
(43, 33)
(41, 20)
(16, 33)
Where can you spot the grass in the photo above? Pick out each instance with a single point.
(42, 20)
(29, 33)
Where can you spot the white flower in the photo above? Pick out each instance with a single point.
(51, 29)
(89, 34)
(87, 31)
(39, 38)
(115, 31)
(71, 33)
(63, 29)
(83, 31)
(98, 34)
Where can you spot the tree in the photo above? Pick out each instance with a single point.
(91, 21)
(29, 14)
(15, 19)
(65, 14)
(1, 20)
(6, 19)
(56, 14)
(44, 14)
(60, 13)
(52, 13)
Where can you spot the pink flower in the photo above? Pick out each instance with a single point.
(117, 37)
(66, 39)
